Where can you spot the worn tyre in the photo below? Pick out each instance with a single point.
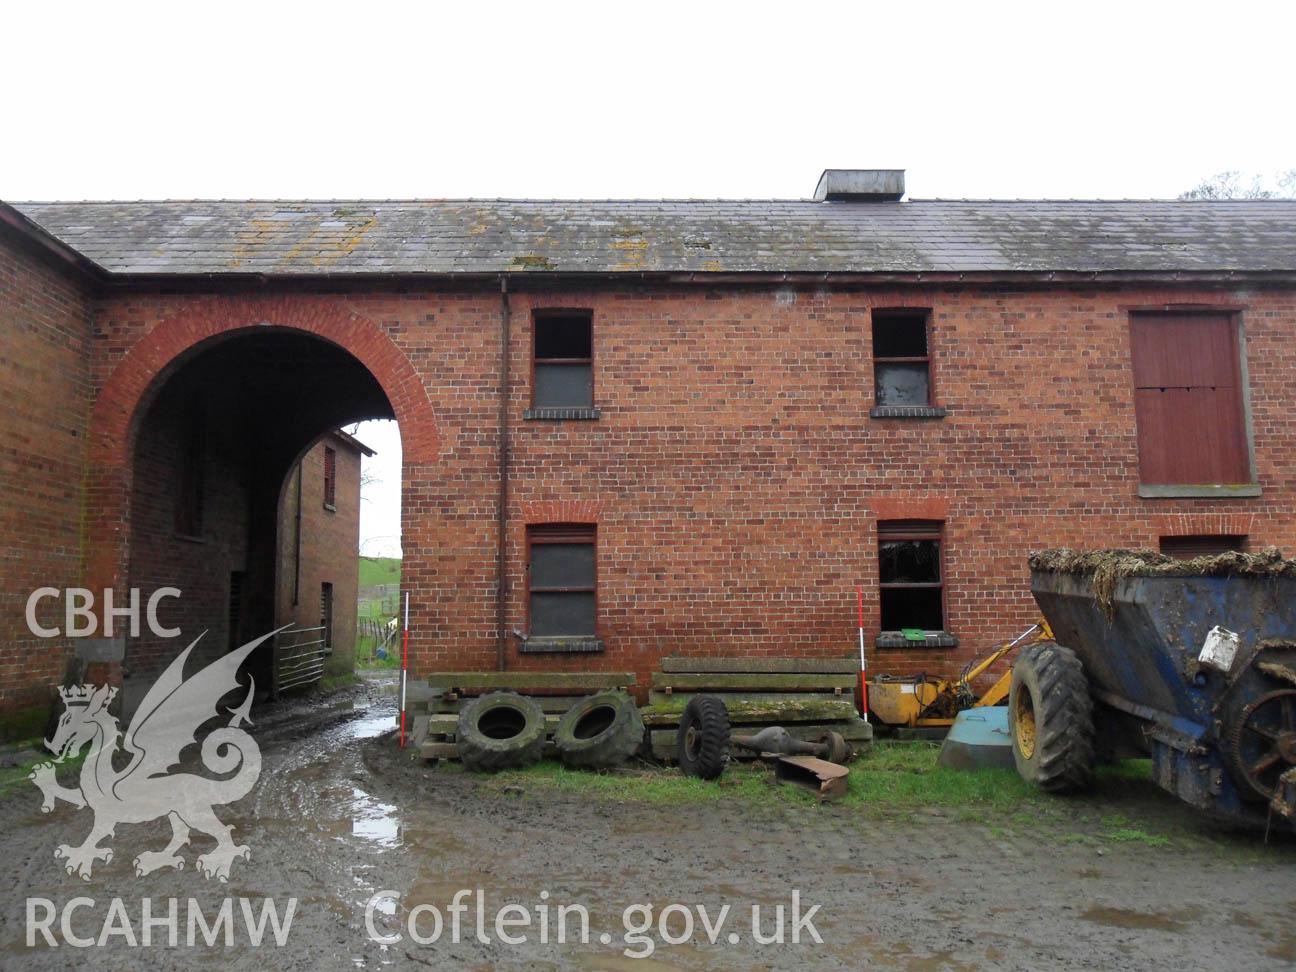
(600, 732)
(702, 743)
(1051, 718)
(502, 730)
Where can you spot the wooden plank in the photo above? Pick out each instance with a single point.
(548, 703)
(737, 682)
(767, 713)
(658, 697)
(447, 724)
(572, 681)
(692, 664)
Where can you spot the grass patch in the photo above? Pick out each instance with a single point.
(333, 683)
(15, 777)
(897, 780)
(1130, 835)
(746, 783)
(892, 776)
(375, 571)
(379, 570)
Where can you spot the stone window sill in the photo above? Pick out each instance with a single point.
(1221, 491)
(553, 646)
(190, 538)
(907, 411)
(935, 639)
(561, 414)
(330, 507)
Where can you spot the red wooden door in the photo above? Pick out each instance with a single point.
(1188, 399)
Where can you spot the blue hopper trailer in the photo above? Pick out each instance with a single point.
(1192, 663)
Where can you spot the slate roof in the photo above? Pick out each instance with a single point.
(663, 236)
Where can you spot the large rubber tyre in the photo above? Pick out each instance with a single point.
(1050, 715)
(502, 730)
(600, 732)
(702, 743)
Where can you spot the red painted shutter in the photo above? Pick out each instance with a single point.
(1188, 399)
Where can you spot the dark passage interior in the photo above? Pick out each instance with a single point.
(213, 449)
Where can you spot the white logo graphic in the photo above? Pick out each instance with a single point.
(168, 720)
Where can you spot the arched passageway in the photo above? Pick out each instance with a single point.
(213, 469)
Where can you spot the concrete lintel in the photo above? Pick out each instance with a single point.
(1217, 491)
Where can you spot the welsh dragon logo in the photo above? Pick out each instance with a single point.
(167, 720)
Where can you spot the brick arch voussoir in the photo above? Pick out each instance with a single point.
(127, 386)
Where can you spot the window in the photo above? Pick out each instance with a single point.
(910, 576)
(561, 581)
(189, 482)
(326, 616)
(564, 360)
(901, 363)
(1202, 545)
(330, 478)
(1188, 400)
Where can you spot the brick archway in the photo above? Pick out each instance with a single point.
(145, 366)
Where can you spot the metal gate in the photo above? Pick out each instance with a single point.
(299, 657)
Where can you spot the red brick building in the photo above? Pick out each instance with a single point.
(637, 428)
(318, 569)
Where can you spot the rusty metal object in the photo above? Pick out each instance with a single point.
(1261, 745)
(1274, 670)
(777, 741)
(1284, 798)
(826, 780)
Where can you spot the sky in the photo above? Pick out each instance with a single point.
(606, 100)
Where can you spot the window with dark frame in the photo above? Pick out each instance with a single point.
(1203, 545)
(561, 581)
(911, 579)
(330, 478)
(326, 616)
(189, 481)
(901, 358)
(563, 360)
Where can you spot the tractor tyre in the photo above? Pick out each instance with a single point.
(502, 730)
(600, 732)
(1050, 715)
(702, 743)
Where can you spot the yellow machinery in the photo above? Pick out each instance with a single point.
(915, 701)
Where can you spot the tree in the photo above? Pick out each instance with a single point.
(1234, 184)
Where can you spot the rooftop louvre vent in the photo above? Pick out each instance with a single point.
(860, 185)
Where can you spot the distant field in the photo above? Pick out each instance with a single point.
(374, 573)
(379, 570)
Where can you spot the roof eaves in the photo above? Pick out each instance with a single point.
(50, 244)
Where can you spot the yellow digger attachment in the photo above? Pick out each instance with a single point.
(919, 702)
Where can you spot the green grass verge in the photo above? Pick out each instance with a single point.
(901, 781)
(896, 776)
(332, 683)
(13, 778)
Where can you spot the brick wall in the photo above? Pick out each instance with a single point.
(330, 539)
(200, 565)
(735, 475)
(44, 397)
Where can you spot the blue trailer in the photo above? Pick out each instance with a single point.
(1192, 663)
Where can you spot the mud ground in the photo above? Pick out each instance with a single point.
(339, 812)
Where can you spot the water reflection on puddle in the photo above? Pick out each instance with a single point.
(374, 820)
(371, 726)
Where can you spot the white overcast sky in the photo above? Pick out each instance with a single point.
(382, 100)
